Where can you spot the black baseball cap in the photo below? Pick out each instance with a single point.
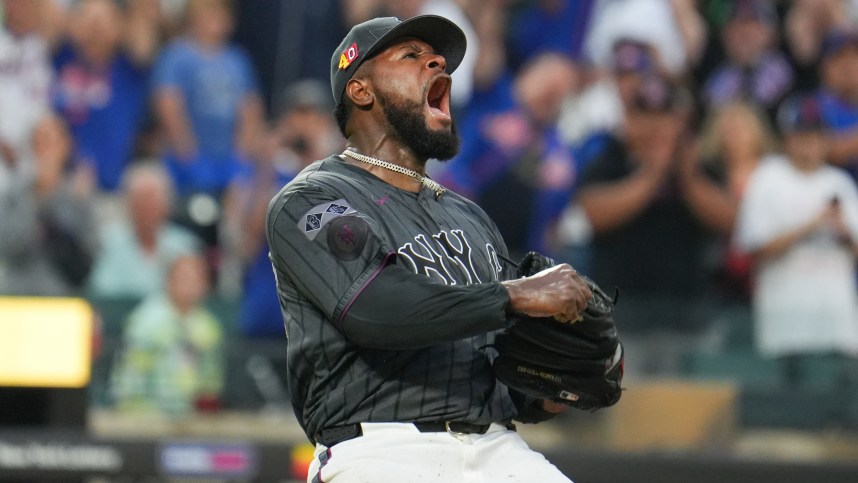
(368, 38)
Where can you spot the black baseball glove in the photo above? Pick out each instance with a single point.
(578, 363)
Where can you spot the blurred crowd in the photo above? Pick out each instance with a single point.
(699, 155)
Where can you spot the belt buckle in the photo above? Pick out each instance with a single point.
(452, 431)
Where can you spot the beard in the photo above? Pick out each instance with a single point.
(408, 121)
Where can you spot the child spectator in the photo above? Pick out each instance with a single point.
(799, 219)
(206, 101)
(172, 360)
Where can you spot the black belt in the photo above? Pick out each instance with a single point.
(332, 436)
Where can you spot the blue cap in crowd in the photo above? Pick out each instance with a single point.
(368, 38)
(801, 113)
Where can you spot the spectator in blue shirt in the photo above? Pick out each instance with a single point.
(100, 87)
(207, 101)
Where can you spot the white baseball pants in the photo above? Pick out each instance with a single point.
(398, 452)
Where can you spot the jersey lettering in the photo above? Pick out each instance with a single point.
(428, 260)
(445, 256)
(457, 249)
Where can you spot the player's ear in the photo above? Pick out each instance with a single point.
(360, 92)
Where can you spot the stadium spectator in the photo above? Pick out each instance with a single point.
(304, 128)
(599, 107)
(136, 250)
(207, 102)
(646, 239)
(800, 213)
(805, 26)
(47, 240)
(172, 361)
(587, 121)
(839, 96)
(733, 140)
(101, 85)
(303, 132)
(513, 160)
(25, 78)
(754, 70)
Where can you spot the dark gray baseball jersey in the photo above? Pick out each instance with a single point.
(331, 231)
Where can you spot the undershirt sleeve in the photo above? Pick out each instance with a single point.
(401, 310)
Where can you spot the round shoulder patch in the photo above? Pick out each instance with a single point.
(347, 236)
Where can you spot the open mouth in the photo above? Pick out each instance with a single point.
(438, 98)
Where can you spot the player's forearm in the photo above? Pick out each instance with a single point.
(557, 292)
(401, 310)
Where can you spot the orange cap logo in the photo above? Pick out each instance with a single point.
(349, 56)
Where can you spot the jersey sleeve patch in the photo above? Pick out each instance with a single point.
(320, 215)
(347, 236)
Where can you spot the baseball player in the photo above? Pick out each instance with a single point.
(393, 288)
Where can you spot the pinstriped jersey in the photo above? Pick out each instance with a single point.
(322, 262)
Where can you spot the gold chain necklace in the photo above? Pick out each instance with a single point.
(425, 181)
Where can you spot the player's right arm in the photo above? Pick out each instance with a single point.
(556, 292)
(377, 303)
(400, 309)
